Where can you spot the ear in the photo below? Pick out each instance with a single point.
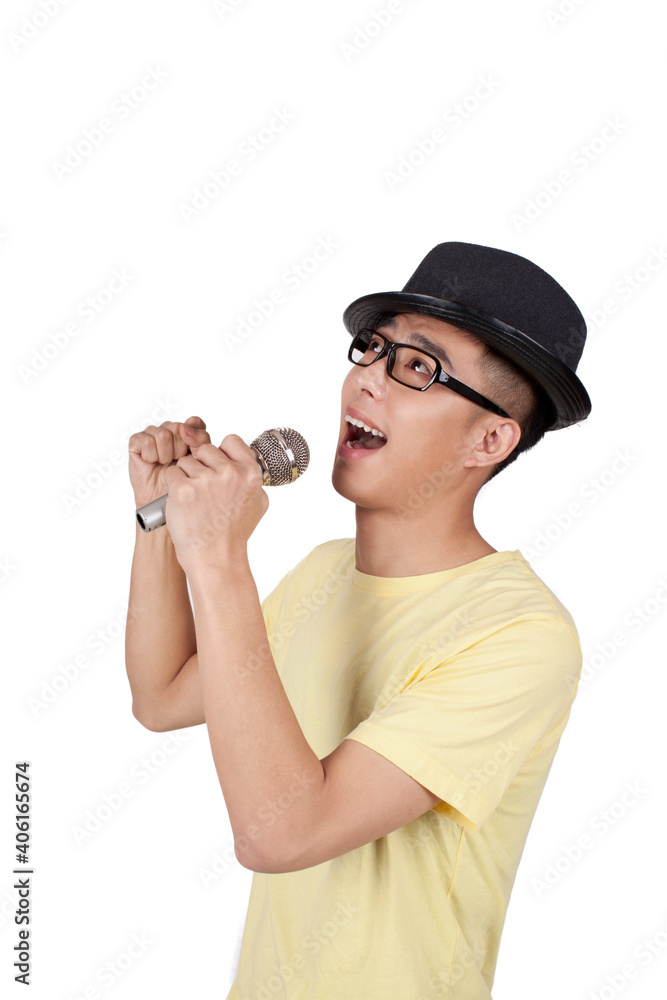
(493, 443)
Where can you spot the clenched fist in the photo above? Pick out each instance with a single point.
(155, 449)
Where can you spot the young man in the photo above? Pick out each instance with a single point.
(384, 723)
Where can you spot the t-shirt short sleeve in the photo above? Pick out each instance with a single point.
(466, 727)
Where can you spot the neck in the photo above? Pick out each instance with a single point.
(393, 544)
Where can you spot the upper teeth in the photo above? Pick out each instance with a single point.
(360, 423)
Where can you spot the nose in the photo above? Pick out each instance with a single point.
(372, 379)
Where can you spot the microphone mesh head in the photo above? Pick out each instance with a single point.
(276, 457)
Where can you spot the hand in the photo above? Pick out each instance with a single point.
(154, 449)
(215, 503)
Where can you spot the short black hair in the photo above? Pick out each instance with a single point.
(520, 396)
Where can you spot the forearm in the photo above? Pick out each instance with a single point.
(269, 775)
(160, 634)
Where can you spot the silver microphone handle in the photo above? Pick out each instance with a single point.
(152, 515)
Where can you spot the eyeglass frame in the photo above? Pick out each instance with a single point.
(439, 376)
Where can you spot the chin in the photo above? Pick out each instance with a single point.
(339, 484)
(363, 493)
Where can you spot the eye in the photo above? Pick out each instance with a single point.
(420, 364)
(375, 344)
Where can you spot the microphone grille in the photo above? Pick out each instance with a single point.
(285, 454)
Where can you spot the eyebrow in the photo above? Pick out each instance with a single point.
(422, 340)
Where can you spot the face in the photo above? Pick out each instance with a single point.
(427, 435)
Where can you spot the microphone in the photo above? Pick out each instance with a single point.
(281, 453)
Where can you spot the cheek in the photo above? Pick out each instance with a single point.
(417, 446)
(440, 444)
(348, 387)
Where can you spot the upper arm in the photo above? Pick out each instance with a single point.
(179, 705)
(363, 797)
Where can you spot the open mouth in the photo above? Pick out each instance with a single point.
(360, 435)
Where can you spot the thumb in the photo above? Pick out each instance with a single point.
(193, 432)
(196, 422)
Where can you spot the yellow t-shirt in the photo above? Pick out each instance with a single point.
(462, 678)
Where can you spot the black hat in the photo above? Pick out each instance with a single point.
(509, 303)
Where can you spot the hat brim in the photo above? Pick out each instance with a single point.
(567, 394)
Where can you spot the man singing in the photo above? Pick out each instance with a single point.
(384, 722)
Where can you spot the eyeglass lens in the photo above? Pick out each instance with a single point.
(410, 366)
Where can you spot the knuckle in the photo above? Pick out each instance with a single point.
(251, 475)
(233, 439)
(182, 487)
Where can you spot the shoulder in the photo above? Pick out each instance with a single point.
(543, 598)
(510, 588)
(527, 621)
(332, 559)
(334, 556)
(503, 608)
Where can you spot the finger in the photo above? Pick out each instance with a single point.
(193, 433)
(136, 442)
(190, 466)
(143, 444)
(164, 443)
(182, 441)
(210, 456)
(234, 447)
(172, 475)
(196, 422)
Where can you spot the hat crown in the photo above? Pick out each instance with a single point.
(508, 288)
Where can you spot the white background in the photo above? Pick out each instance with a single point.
(359, 98)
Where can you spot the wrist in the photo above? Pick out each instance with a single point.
(144, 495)
(223, 567)
(220, 597)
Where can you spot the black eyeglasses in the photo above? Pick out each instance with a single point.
(411, 367)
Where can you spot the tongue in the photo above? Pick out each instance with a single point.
(368, 440)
